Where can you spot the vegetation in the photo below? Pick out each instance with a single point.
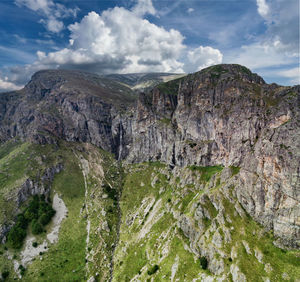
(5, 275)
(170, 87)
(235, 170)
(152, 244)
(203, 262)
(38, 213)
(206, 171)
(153, 269)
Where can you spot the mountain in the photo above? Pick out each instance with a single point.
(197, 179)
(143, 81)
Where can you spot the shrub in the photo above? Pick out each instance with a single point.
(30, 215)
(22, 269)
(15, 237)
(153, 269)
(38, 213)
(46, 217)
(36, 227)
(34, 244)
(21, 221)
(5, 274)
(203, 262)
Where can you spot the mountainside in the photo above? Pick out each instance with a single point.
(195, 180)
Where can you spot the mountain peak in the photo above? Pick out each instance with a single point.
(234, 71)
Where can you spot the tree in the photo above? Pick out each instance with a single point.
(36, 227)
(15, 237)
(203, 262)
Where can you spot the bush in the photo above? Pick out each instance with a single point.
(38, 213)
(45, 218)
(203, 262)
(34, 244)
(15, 237)
(5, 274)
(30, 215)
(22, 269)
(36, 227)
(21, 221)
(153, 269)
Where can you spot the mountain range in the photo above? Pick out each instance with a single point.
(153, 177)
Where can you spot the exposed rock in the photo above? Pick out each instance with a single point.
(237, 275)
(222, 115)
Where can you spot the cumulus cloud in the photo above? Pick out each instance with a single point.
(144, 7)
(190, 10)
(262, 7)
(6, 85)
(120, 40)
(51, 12)
(202, 57)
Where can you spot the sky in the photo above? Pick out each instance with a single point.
(107, 36)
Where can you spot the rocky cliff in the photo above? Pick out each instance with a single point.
(223, 115)
(224, 122)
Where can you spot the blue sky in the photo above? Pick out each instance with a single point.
(107, 36)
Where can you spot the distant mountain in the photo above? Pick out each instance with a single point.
(143, 81)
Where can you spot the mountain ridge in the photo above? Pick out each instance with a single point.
(219, 136)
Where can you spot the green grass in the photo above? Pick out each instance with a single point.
(235, 170)
(280, 260)
(13, 165)
(163, 244)
(66, 259)
(206, 171)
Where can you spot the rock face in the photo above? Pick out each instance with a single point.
(223, 115)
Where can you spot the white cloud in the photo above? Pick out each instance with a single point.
(275, 52)
(282, 21)
(144, 7)
(122, 41)
(293, 74)
(262, 7)
(119, 40)
(5, 85)
(260, 55)
(51, 12)
(202, 57)
(190, 10)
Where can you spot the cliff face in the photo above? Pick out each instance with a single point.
(223, 115)
(228, 116)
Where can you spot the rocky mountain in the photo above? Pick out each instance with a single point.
(197, 179)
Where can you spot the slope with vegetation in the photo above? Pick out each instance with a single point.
(196, 180)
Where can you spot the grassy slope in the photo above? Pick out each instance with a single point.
(65, 261)
(152, 200)
(165, 243)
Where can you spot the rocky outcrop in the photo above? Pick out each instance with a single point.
(30, 188)
(42, 187)
(223, 115)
